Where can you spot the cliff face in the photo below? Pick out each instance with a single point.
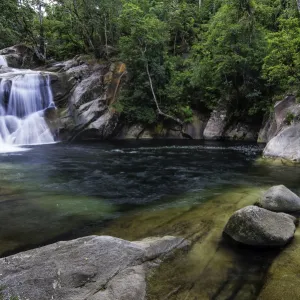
(84, 95)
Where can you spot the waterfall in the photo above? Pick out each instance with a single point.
(3, 61)
(24, 97)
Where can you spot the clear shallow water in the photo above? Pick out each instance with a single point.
(64, 191)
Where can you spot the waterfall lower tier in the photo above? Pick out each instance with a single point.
(24, 97)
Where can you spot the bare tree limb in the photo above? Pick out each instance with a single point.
(160, 112)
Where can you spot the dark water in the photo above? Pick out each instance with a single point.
(61, 191)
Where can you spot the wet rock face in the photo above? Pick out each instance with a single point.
(283, 135)
(280, 199)
(84, 94)
(257, 226)
(216, 125)
(91, 268)
(165, 130)
(285, 144)
(20, 56)
(277, 120)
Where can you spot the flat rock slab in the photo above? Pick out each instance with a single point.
(91, 268)
(257, 226)
(279, 198)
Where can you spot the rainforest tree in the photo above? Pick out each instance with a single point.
(181, 55)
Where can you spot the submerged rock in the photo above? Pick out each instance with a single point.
(257, 226)
(91, 268)
(281, 199)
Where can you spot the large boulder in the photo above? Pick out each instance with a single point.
(285, 144)
(87, 112)
(220, 126)
(20, 56)
(91, 268)
(216, 125)
(257, 226)
(281, 199)
(280, 117)
(279, 126)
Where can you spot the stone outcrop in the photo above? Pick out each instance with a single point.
(84, 94)
(216, 125)
(20, 56)
(282, 131)
(280, 199)
(91, 268)
(257, 226)
(268, 129)
(192, 130)
(241, 132)
(285, 144)
(284, 113)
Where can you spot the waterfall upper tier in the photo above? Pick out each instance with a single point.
(3, 61)
(24, 97)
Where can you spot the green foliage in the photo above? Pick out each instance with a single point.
(230, 58)
(188, 54)
(282, 64)
(290, 117)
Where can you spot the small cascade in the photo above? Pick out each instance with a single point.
(23, 99)
(3, 61)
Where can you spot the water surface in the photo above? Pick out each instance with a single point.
(61, 191)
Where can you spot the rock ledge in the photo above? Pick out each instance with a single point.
(91, 268)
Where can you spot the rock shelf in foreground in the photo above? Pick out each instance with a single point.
(91, 268)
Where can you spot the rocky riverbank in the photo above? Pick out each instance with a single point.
(86, 95)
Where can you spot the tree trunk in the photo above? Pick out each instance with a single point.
(42, 34)
(105, 34)
(156, 102)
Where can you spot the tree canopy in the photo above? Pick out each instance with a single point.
(181, 55)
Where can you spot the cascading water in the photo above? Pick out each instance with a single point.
(3, 61)
(24, 96)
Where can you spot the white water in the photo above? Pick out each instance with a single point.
(3, 61)
(23, 98)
